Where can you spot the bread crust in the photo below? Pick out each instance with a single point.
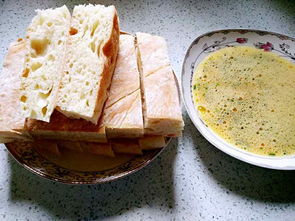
(110, 50)
(123, 109)
(61, 127)
(11, 118)
(161, 105)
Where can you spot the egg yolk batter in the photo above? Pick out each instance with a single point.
(247, 97)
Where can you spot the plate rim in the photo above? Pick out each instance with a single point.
(46, 176)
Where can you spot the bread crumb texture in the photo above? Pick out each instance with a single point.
(82, 93)
(46, 43)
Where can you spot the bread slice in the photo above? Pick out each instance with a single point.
(62, 128)
(126, 146)
(123, 109)
(71, 145)
(46, 40)
(162, 113)
(98, 149)
(45, 146)
(151, 142)
(11, 118)
(91, 59)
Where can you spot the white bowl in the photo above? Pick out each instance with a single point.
(212, 41)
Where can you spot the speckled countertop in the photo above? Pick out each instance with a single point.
(191, 180)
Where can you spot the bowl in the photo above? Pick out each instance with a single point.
(207, 43)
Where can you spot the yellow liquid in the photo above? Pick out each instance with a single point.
(247, 97)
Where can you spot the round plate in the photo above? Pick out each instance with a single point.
(212, 41)
(29, 157)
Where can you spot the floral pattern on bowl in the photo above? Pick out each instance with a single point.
(280, 44)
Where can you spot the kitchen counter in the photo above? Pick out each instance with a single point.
(191, 180)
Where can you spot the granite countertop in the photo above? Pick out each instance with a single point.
(191, 180)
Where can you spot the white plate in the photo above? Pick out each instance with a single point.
(210, 42)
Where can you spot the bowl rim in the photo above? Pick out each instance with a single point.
(226, 147)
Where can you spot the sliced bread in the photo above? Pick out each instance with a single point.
(126, 146)
(123, 109)
(46, 146)
(11, 118)
(98, 149)
(161, 107)
(46, 40)
(91, 57)
(151, 142)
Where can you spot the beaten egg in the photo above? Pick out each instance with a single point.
(247, 97)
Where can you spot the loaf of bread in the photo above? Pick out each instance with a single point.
(162, 113)
(46, 41)
(90, 62)
(122, 115)
(11, 118)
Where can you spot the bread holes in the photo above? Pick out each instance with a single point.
(23, 98)
(44, 110)
(98, 49)
(92, 46)
(87, 103)
(41, 20)
(94, 27)
(59, 42)
(51, 57)
(37, 87)
(44, 78)
(36, 66)
(45, 95)
(26, 73)
(73, 31)
(33, 114)
(39, 46)
(87, 83)
(49, 24)
(71, 65)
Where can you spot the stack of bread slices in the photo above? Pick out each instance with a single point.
(76, 82)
